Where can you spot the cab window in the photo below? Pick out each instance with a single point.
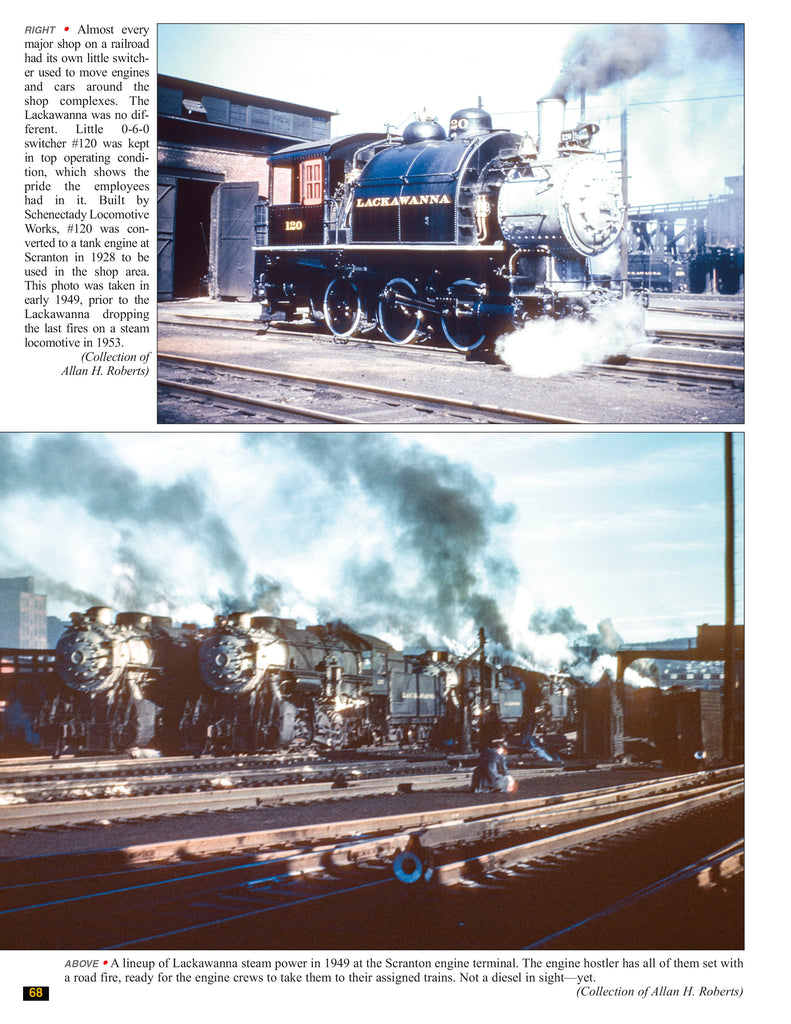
(312, 182)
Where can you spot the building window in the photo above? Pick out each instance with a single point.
(312, 182)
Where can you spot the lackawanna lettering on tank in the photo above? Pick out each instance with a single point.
(429, 200)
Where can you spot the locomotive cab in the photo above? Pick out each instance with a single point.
(305, 186)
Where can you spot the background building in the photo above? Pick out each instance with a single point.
(23, 615)
(212, 168)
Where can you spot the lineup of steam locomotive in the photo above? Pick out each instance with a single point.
(255, 683)
(466, 233)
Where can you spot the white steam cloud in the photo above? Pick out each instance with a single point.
(546, 347)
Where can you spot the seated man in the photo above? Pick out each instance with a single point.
(491, 774)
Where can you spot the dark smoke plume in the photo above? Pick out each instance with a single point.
(566, 623)
(84, 469)
(267, 595)
(607, 54)
(441, 514)
(435, 578)
(718, 42)
(60, 591)
(562, 620)
(138, 584)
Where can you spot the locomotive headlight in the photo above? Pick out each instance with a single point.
(583, 133)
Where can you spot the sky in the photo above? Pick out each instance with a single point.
(682, 85)
(418, 537)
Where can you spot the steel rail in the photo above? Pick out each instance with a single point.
(583, 809)
(458, 871)
(21, 815)
(304, 330)
(215, 322)
(218, 778)
(674, 370)
(366, 830)
(457, 403)
(118, 784)
(708, 338)
(26, 769)
(697, 309)
(706, 872)
(294, 851)
(728, 371)
(281, 865)
(255, 912)
(724, 863)
(227, 396)
(14, 816)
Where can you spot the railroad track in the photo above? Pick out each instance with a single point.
(698, 339)
(43, 771)
(73, 802)
(78, 803)
(279, 396)
(733, 311)
(676, 370)
(331, 887)
(701, 338)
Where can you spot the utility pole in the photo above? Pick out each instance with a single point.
(467, 693)
(625, 191)
(729, 669)
(485, 699)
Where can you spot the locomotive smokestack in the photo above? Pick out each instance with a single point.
(551, 118)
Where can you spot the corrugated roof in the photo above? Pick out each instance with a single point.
(201, 89)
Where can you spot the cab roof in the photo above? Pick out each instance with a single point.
(341, 147)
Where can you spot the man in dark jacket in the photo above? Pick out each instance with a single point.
(491, 773)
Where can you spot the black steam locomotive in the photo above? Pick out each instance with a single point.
(266, 684)
(270, 685)
(255, 683)
(465, 234)
(119, 684)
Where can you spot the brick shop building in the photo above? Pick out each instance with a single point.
(212, 167)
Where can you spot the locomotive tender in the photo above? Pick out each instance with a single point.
(468, 233)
